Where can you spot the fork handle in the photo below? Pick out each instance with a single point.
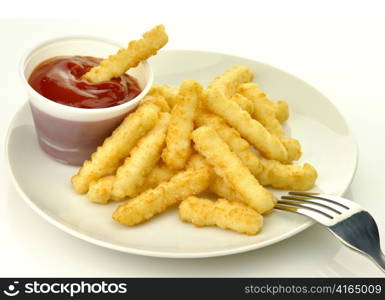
(377, 256)
(379, 260)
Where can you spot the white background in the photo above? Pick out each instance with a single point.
(336, 46)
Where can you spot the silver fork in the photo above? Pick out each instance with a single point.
(348, 221)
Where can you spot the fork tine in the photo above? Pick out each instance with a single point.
(314, 203)
(305, 205)
(310, 212)
(344, 203)
(346, 207)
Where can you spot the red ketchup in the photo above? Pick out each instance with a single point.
(60, 79)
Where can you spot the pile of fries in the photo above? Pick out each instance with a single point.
(180, 142)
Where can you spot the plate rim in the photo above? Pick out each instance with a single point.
(166, 254)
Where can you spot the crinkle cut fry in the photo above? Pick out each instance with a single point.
(232, 138)
(107, 157)
(264, 109)
(281, 110)
(222, 213)
(142, 159)
(159, 174)
(154, 201)
(270, 172)
(293, 148)
(178, 141)
(126, 58)
(227, 164)
(251, 91)
(217, 185)
(100, 191)
(197, 161)
(168, 93)
(231, 79)
(253, 131)
(158, 100)
(288, 177)
(243, 103)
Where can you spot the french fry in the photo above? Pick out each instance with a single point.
(287, 177)
(251, 91)
(107, 157)
(243, 103)
(157, 100)
(100, 191)
(232, 138)
(197, 161)
(178, 142)
(253, 131)
(168, 93)
(293, 148)
(264, 110)
(142, 159)
(231, 79)
(222, 213)
(227, 164)
(154, 201)
(137, 51)
(271, 172)
(219, 187)
(159, 174)
(281, 111)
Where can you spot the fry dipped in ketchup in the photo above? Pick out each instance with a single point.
(90, 82)
(60, 79)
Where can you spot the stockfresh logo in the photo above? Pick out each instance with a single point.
(71, 288)
(12, 289)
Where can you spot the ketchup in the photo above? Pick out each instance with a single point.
(59, 79)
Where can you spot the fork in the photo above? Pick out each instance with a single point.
(348, 221)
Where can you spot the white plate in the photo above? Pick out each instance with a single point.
(325, 137)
